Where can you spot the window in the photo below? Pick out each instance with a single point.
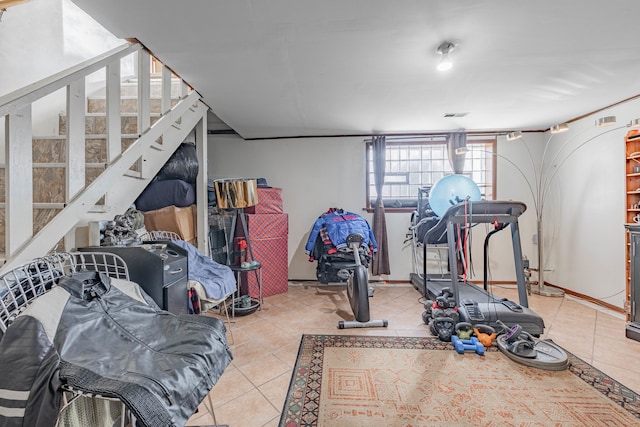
(412, 164)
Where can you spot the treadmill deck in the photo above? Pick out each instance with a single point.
(480, 307)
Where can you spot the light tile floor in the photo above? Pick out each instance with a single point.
(252, 390)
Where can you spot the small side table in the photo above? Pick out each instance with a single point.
(238, 270)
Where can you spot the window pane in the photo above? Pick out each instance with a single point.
(421, 163)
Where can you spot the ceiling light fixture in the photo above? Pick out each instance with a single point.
(514, 135)
(606, 121)
(562, 127)
(445, 62)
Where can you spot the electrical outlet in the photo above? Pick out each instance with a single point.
(534, 239)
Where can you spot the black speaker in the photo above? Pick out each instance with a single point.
(160, 268)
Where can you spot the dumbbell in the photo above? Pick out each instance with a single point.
(464, 330)
(485, 334)
(442, 327)
(446, 292)
(467, 345)
(428, 306)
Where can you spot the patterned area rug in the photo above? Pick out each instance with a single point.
(371, 381)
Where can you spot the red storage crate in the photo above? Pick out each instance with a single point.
(268, 236)
(269, 202)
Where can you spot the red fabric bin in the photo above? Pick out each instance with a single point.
(269, 202)
(268, 236)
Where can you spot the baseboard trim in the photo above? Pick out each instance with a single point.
(588, 298)
(508, 282)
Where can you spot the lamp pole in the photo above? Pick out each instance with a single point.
(543, 179)
(543, 183)
(542, 289)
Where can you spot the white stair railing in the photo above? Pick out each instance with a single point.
(126, 173)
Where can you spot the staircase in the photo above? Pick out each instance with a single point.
(109, 147)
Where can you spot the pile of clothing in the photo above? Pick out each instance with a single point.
(327, 243)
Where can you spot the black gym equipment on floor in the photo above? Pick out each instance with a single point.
(475, 304)
(358, 290)
(348, 265)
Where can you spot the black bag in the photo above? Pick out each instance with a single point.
(182, 165)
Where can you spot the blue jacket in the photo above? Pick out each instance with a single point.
(339, 225)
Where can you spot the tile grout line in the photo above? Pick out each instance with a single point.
(257, 387)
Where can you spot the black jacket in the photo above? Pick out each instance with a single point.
(107, 337)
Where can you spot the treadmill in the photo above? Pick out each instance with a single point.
(475, 304)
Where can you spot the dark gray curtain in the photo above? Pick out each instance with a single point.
(455, 141)
(380, 263)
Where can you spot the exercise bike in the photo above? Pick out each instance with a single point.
(358, 290)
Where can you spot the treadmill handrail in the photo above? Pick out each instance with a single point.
(482, 211)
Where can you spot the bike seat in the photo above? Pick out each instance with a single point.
(354, 238)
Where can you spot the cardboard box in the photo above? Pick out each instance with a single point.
(269, 202)
(172, 218)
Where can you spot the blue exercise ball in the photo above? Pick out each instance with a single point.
(452, 189)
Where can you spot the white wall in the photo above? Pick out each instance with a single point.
(584, 212)
(318, 173)
(315, 174)
(40, 38)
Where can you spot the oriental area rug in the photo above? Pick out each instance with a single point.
(341, 380)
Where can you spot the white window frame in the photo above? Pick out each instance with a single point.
(416, 163)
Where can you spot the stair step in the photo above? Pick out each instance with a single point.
(63, 165)
(40, 205)
(128, 104)
(99, 209)
(49, 181)
(157, 146)
(133, 174)
(53, 149)
(96, 123)
(130, 88)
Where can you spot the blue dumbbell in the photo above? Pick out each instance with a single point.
(467, 345)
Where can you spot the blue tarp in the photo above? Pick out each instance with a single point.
(217, 279)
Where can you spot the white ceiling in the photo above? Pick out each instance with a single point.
(283, 68)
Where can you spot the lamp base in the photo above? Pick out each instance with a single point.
(546, 291)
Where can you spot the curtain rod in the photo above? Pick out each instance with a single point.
(439, 136)
(368, 136)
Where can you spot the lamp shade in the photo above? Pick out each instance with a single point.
(562, 127)
(512, 136)
(606, 121)
(236, 193)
